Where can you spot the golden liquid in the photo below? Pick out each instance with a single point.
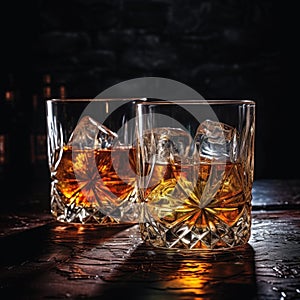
(206, 205)
(102, 178)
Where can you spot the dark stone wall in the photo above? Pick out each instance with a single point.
(221, 48)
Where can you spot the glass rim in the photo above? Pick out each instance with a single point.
(200, 101)
(58, 100)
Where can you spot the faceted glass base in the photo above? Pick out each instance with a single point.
(72, 213)
(206, 236)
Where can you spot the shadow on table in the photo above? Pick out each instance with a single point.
(163, 274)
(49, 240)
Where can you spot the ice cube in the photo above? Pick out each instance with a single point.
(90, 134)
(216, 140)
(171, 144)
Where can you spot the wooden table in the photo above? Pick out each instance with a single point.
(44, 259)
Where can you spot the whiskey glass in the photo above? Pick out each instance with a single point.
(92, 160)
(196, 161)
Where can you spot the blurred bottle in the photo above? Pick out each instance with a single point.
(46, 87)
(38, 134)
(4, 142)
(9, 133)
(62, 91)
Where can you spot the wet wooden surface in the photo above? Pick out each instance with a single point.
(44, 259)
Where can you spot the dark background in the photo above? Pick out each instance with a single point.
(227, 49)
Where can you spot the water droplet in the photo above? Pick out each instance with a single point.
(151, 253)
(283, 294)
